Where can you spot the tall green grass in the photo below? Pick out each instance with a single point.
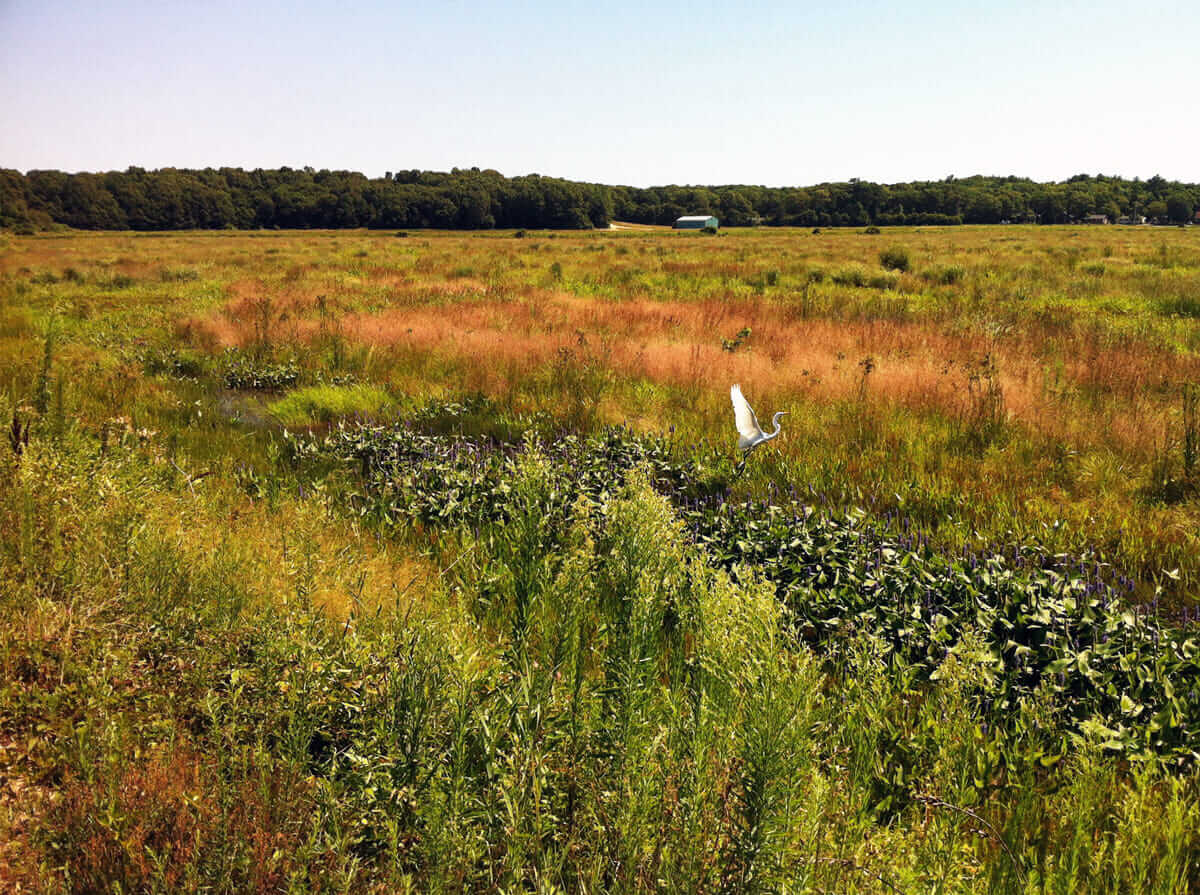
(613, 715)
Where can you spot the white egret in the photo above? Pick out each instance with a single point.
(752, 434)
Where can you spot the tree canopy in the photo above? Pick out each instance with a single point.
(215, 198)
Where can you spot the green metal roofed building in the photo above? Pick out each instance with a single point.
(696, 222)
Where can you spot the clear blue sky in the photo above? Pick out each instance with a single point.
(632, 93)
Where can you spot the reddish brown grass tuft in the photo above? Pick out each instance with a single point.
(164, 817)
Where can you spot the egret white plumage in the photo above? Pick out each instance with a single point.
(750, 432)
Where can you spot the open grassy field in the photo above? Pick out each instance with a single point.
(358, 561)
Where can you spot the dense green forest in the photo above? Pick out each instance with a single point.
(177, 199)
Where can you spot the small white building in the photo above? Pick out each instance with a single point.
(696, 222)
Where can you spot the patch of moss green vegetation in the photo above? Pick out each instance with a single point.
(326, 403)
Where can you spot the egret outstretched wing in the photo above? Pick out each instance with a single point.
(744, 418)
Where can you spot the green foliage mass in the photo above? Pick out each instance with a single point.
(894, 258)
(594, 705)
(472, 199)
(1050, 624)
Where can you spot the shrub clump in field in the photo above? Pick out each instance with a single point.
(116, 282)
(884, 280)
(1186, 306)
(851, 275)
(894, 258)
(859, 275)
(944, 274)
(326, 403)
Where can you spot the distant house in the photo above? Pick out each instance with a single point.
(1132, 219)
(696, 222)
(1096, 219)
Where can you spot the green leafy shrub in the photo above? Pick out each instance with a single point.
(894, 258)
(884, 280)
(944, 275)
(851, 275)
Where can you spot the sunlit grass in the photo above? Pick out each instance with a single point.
(1089, 364)
(220, 675)
(326, 403)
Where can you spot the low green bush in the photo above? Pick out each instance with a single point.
(944, 275)
(894, 258)
(851, 275)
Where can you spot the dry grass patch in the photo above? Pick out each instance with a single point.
(912, 364)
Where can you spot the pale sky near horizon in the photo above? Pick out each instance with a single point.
(620, 93)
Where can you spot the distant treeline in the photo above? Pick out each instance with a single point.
(214, 198)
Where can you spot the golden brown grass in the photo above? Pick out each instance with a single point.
(919, 364)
